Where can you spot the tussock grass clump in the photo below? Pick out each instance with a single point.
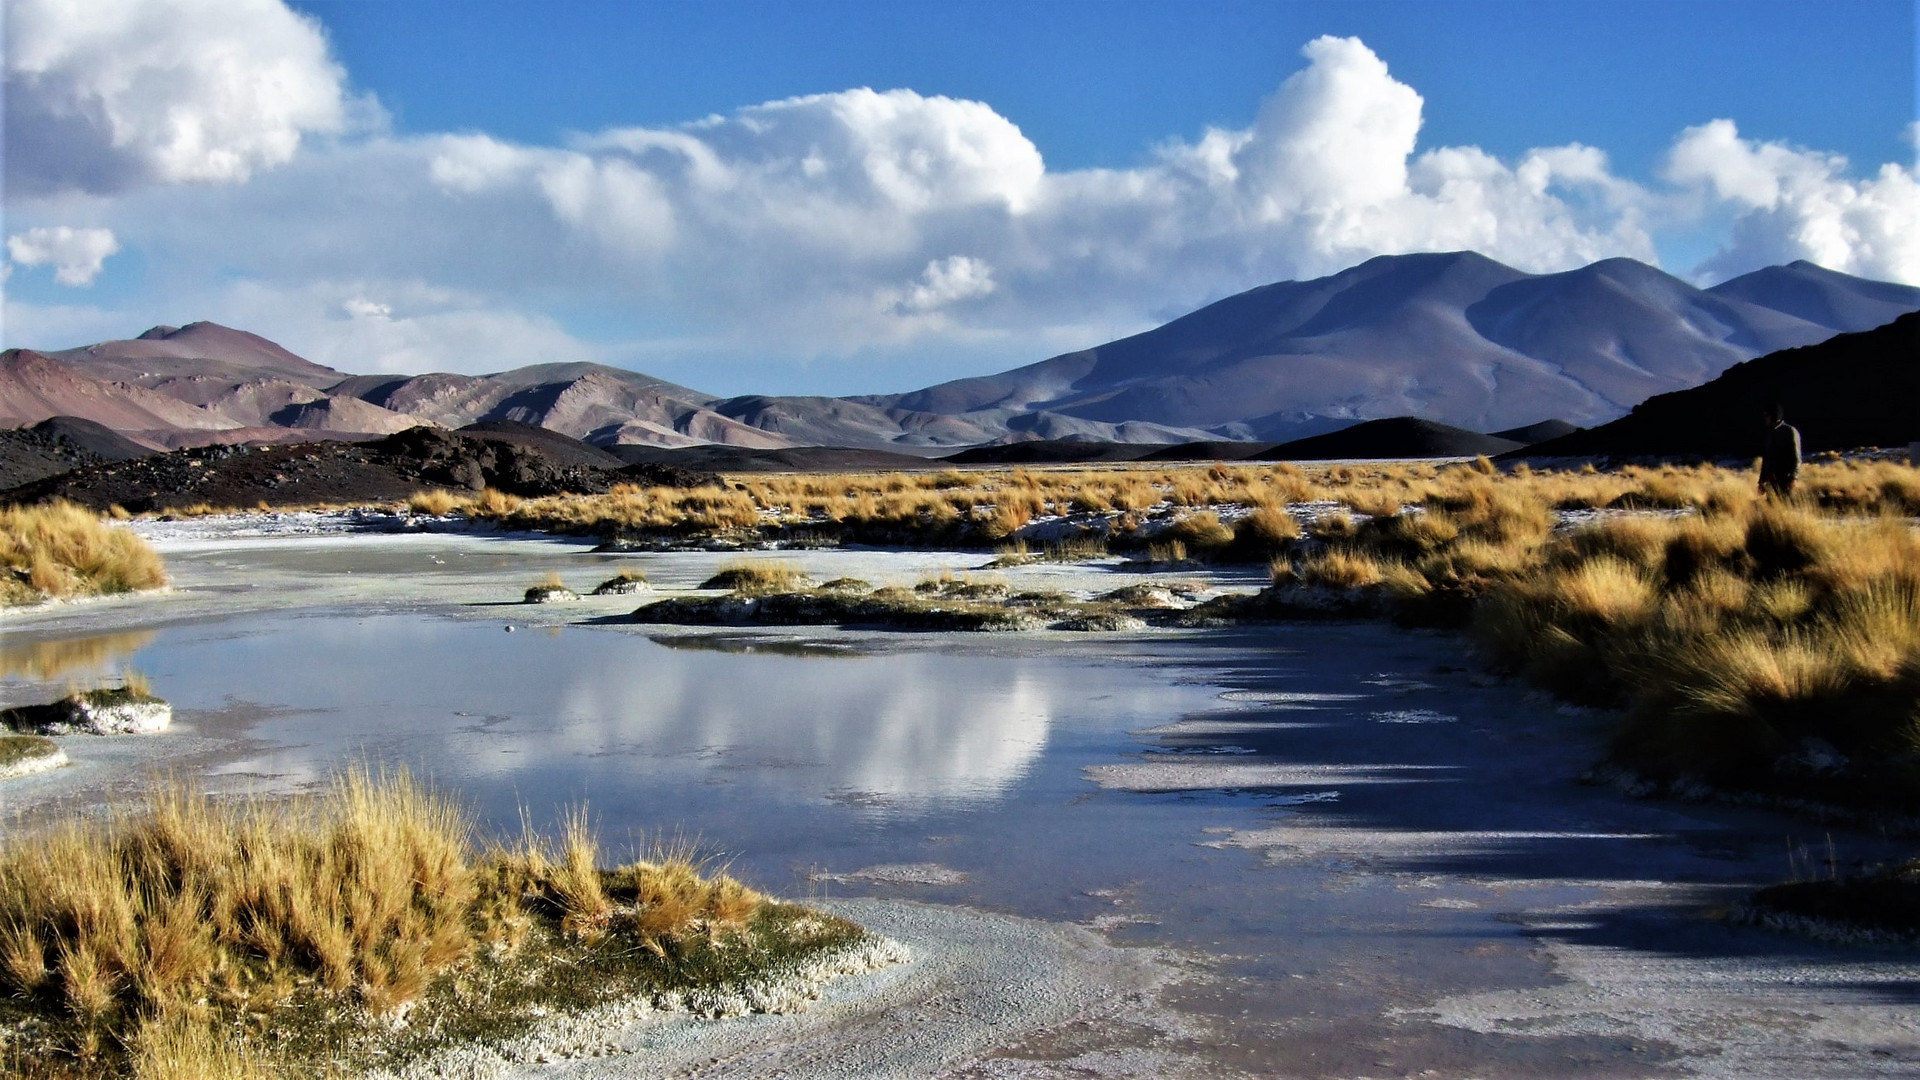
(60, 550)
(1878, 906)
(1773, 649)
(236, 939)
(1168, 553)
(362, 893)
(1200, 531)
(758, 578)
(437, 502)
(1080, 547)
(628, 580)
(1341, 568)
(549, 589)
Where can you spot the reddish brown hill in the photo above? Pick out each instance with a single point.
(198, 349)
(34, 387)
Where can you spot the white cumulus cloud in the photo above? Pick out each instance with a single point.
(109, 94)
(76, 255)
(878, 227)
(1801, 204)
(944, 281)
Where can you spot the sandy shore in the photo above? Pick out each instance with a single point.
(970, 984)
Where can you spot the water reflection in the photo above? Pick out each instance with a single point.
(598, 709)
(43, 661)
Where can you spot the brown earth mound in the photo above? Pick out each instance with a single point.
(336, 472)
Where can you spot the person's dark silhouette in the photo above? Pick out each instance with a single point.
(1780, 457)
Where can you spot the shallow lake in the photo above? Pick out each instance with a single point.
(1342, 825)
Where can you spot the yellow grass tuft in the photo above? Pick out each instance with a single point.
(155, 939)
(757, 577)
(437, 502)
(60, 550)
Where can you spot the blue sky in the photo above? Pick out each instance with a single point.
(1099, 82)
(412, 185)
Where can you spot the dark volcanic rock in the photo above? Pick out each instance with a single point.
(57, 445)
(563, 449)
(446, 459)
(1849, 391)
(1540, 432)
(647, 474)
(1396, 437)
(336, 472)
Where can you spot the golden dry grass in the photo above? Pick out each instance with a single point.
(60, 550)
(758, 576)
(438, 502)
(147, 943)
(1732, 639)
(990, 507)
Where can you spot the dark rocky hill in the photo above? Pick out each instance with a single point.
(59, 444)
(1394, 437)
(1852, 391)
(385, 470)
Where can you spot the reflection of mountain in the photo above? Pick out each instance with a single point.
(910, 727)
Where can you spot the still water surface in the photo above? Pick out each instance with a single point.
(794, 757)
(1338, 824)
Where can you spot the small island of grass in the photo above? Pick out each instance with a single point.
(361, 927)
(24, 754)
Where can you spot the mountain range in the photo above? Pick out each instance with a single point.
(1454, 338)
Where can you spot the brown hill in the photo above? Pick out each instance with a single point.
(203, 349)
(343, 414)
(35, 387)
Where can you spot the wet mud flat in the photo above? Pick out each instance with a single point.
(1328, 850)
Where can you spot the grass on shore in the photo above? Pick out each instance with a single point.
(1758, 645)
(231, 939)
(1233, 512)
(1772, 650)
(59, 551)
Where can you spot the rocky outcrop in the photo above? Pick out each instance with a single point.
(383, 470)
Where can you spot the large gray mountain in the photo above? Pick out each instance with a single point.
(1454, 338)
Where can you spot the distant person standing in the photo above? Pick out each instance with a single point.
(1780, 458)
